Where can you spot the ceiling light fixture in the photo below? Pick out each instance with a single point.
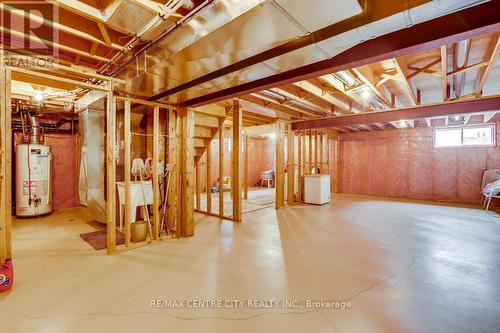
(38, 96)
(365, 93)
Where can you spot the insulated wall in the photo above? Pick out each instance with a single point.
(64, 149)
(403, 163)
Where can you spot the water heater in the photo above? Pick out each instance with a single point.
(33, 180)
(33, 172)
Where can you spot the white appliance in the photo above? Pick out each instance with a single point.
(317, 189)
(33, 180)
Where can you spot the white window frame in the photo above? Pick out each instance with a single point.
(492, 126)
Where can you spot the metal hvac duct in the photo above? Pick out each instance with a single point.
(461, 54)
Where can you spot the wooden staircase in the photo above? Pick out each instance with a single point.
(206, 128)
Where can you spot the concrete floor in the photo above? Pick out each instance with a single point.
(403, 266)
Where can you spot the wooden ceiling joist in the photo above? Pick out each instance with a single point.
(444, 71)
(402, 69)
(325, 96)
(71, 30)
(418, 112)
(34, 39)
(491, 57)
(293, 92)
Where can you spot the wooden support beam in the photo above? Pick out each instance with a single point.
(482, 104)
(300, 147)
(293, 92)
(336, 162)
(111, 172)
(59, 78)
(186, 197)
(283, 107)
(310, 153)
(290, 165)
(491, 57)
(424, 69)
(245, 166)
(221, 167)
(173, 160)
(402, 69)
(318, 92)
(156, 183)
(5, 163)
(366, 76)
(280, 164)
(321, 149)
(35, 40)
(237, 162)
(104, 33)
(127, 166)
(327, 171)
(209, 177)
(316, 146)
(422, 37)
(197, 186)
(444, 72)
(72, 30)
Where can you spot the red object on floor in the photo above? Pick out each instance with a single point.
(6, 276)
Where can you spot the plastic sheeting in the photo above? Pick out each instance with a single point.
(403, 163)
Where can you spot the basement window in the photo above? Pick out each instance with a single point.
(465, 136)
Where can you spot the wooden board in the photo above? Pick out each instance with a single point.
(236, 162)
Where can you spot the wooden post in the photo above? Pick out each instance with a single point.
(299, 165)
(237, 165)
(221, 167)
(156, 161)
(197, 186)
(321, 160)
(310, 165)
(6, 163)
(327, 154)
(127, 167)
(245, 171)
(316, 146)
(290, 166)
(209, 177)
(337, 167)
(186, 204)
(280, 163)
(111, 171)
(173, 155)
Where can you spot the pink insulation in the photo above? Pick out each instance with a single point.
(444, 175)
(403, 163)
(65, 156)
